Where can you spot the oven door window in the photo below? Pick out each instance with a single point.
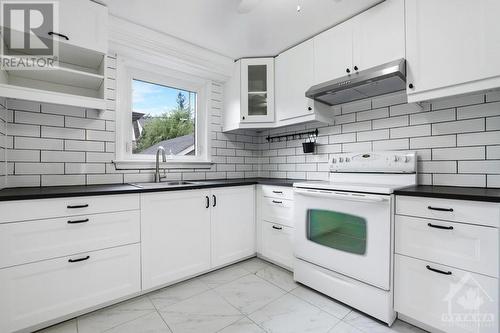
(339, 231)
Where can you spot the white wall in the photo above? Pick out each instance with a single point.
(457, 139)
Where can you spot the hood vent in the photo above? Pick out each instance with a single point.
(371, 82)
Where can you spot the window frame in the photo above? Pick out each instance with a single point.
(127, 71)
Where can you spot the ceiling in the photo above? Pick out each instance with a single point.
(239, 28)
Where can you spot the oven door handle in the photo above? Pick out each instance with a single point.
(341, 195)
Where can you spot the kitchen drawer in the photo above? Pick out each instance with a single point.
(35, 293)
(23, 210)
(469, 247)
(278, 211)
(24, 242)
(278, 192)
(473, 212)
(277, 243)
(427, 296)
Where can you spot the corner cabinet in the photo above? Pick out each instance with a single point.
(453, 47)
(249, 94)
(78, 77)
(369, 39)
(186, 233)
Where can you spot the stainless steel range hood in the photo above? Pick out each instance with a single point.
(371, 82)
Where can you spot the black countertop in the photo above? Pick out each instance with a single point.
(25, 193)
(452, 192)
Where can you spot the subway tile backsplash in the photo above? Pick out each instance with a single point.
(457, 141)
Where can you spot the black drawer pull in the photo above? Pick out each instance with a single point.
(439, 226)
(277, 202)
(440, 209)
(77, 206)
(277, 228)
(78, 221)
(278, 192)
(438, 271)
(79, 259)
(52, 33)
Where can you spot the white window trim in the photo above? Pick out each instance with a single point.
(127, 70)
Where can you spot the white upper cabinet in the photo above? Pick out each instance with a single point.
(294, 75)
(371, 38)
(453, 47)
(257, 90)
(379, 35)
(84, 23)
(333, 53)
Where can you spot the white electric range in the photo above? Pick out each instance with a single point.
(344, 229)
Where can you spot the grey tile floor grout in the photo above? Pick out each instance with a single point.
(251, 296)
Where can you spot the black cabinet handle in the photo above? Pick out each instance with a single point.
(79, 259)
(215, 200)
(355, 68)
(410, 86)
(78, 221)
(309, 108)
(208, 201)
(277, 202)
(52, 33)
(439, 226)
(440, 209)
(77, 206)
(277, 228)
(278, 192)
(438, 270)
(347, 70)
(243, 117)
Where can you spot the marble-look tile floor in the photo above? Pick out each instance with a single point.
(248, 297)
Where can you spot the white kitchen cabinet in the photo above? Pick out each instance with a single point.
(249, 95)
(453, 47)
(369, 39)
(39, 292)
(294, 75)
(333, 53)
(185, 233)
(175, 236)
(277, 243)
(233, 224)
(379, 35)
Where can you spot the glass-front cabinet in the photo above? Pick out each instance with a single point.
(257, 90)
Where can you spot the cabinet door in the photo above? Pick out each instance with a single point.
(294, 75)
(84, 23)
(277, 243)
(257, 90)
(35, 293)
(233, 224)
(333, 53)
(379, 35)
(175, 233)
(451, 42)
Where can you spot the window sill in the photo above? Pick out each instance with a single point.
(150, 165)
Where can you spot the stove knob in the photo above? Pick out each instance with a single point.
(347, 159)
(334, 160)
(407, 159)
(341, 159)
(396, 158)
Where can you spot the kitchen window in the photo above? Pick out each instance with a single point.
(163, 109)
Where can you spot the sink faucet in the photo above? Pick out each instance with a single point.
(157, 169)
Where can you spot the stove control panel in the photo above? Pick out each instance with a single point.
(384, 162)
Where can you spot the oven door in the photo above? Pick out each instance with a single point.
(349, 233)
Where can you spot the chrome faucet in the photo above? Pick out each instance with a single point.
(157, 169)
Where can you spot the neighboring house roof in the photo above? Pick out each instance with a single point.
(182, 145)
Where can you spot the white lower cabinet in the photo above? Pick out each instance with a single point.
(185, 233)
(233, 224)
(277, 243)
(39, 292)
(434, 294)
(175, 236)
